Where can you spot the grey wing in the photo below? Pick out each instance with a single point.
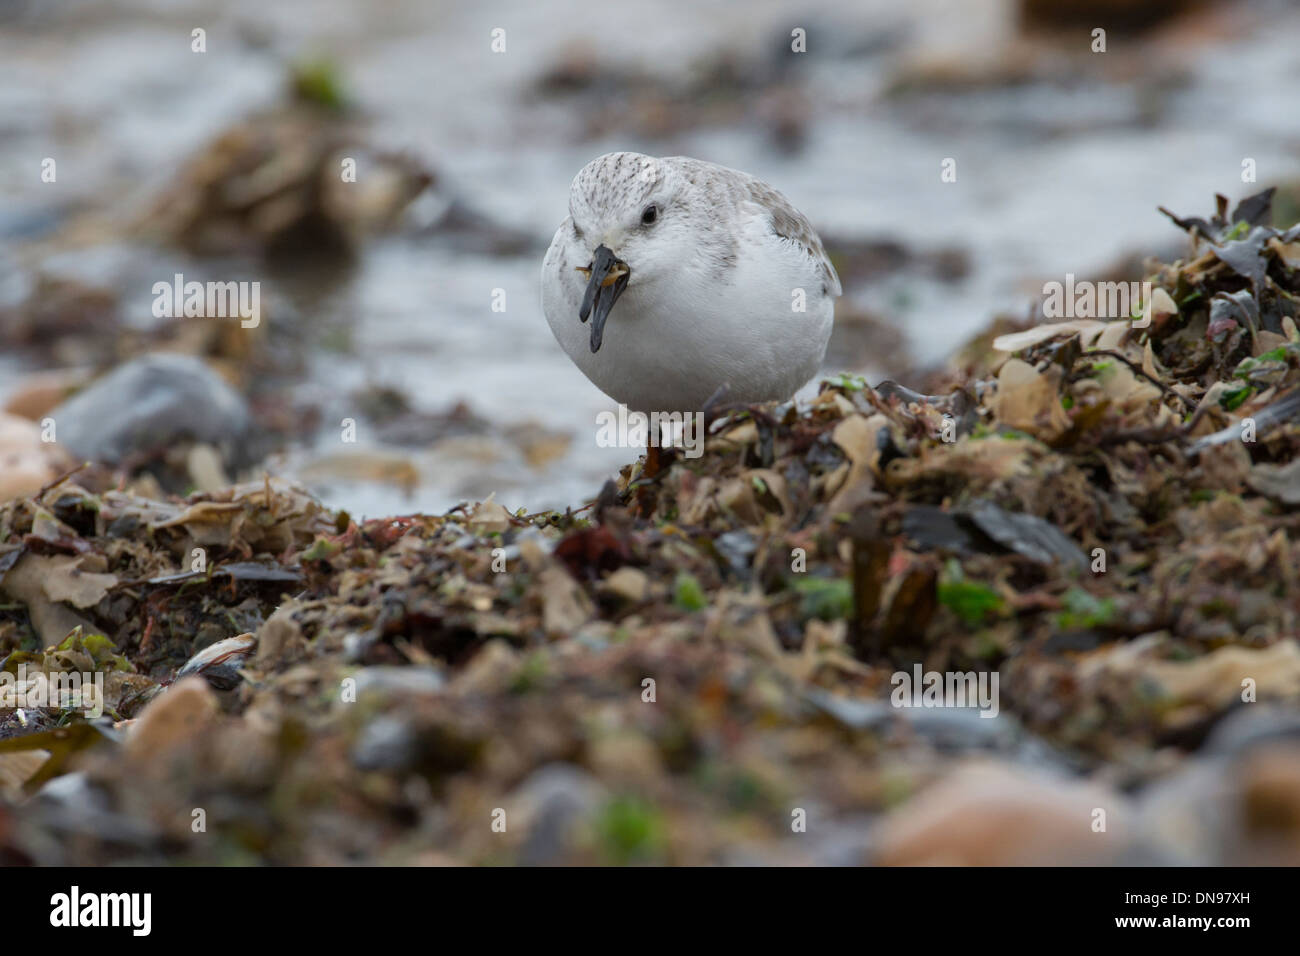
(783, 218)
(790, 224)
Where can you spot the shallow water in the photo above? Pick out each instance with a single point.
(1053, 177)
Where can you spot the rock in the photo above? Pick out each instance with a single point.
(1240, 810)
(27, 464)
(630, 758)
(627, 584)
(1187, 813)
(549, 804)
(490, 670)
(386, 682)
(35, 395)
(386, 743)
(1270, 804)
(996, 814)
(953, 730)
(173, 719)
(148, 403)
(75, 805)
(1249, 726)
(565, 606)
(839, 842)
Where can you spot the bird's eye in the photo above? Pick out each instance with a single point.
(649, 215)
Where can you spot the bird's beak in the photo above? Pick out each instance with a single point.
(606, 279)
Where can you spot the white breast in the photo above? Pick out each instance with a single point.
(670, 346)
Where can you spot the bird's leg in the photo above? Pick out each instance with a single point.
(714, 403)
(656, 460)
(639, 495)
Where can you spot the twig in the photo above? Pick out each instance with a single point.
(60, 480)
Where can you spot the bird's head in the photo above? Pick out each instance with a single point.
(627, 214)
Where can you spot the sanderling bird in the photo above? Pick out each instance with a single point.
(719, 282)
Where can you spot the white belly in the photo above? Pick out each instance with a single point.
(669, 347)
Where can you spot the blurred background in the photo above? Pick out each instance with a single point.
(216, 155)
